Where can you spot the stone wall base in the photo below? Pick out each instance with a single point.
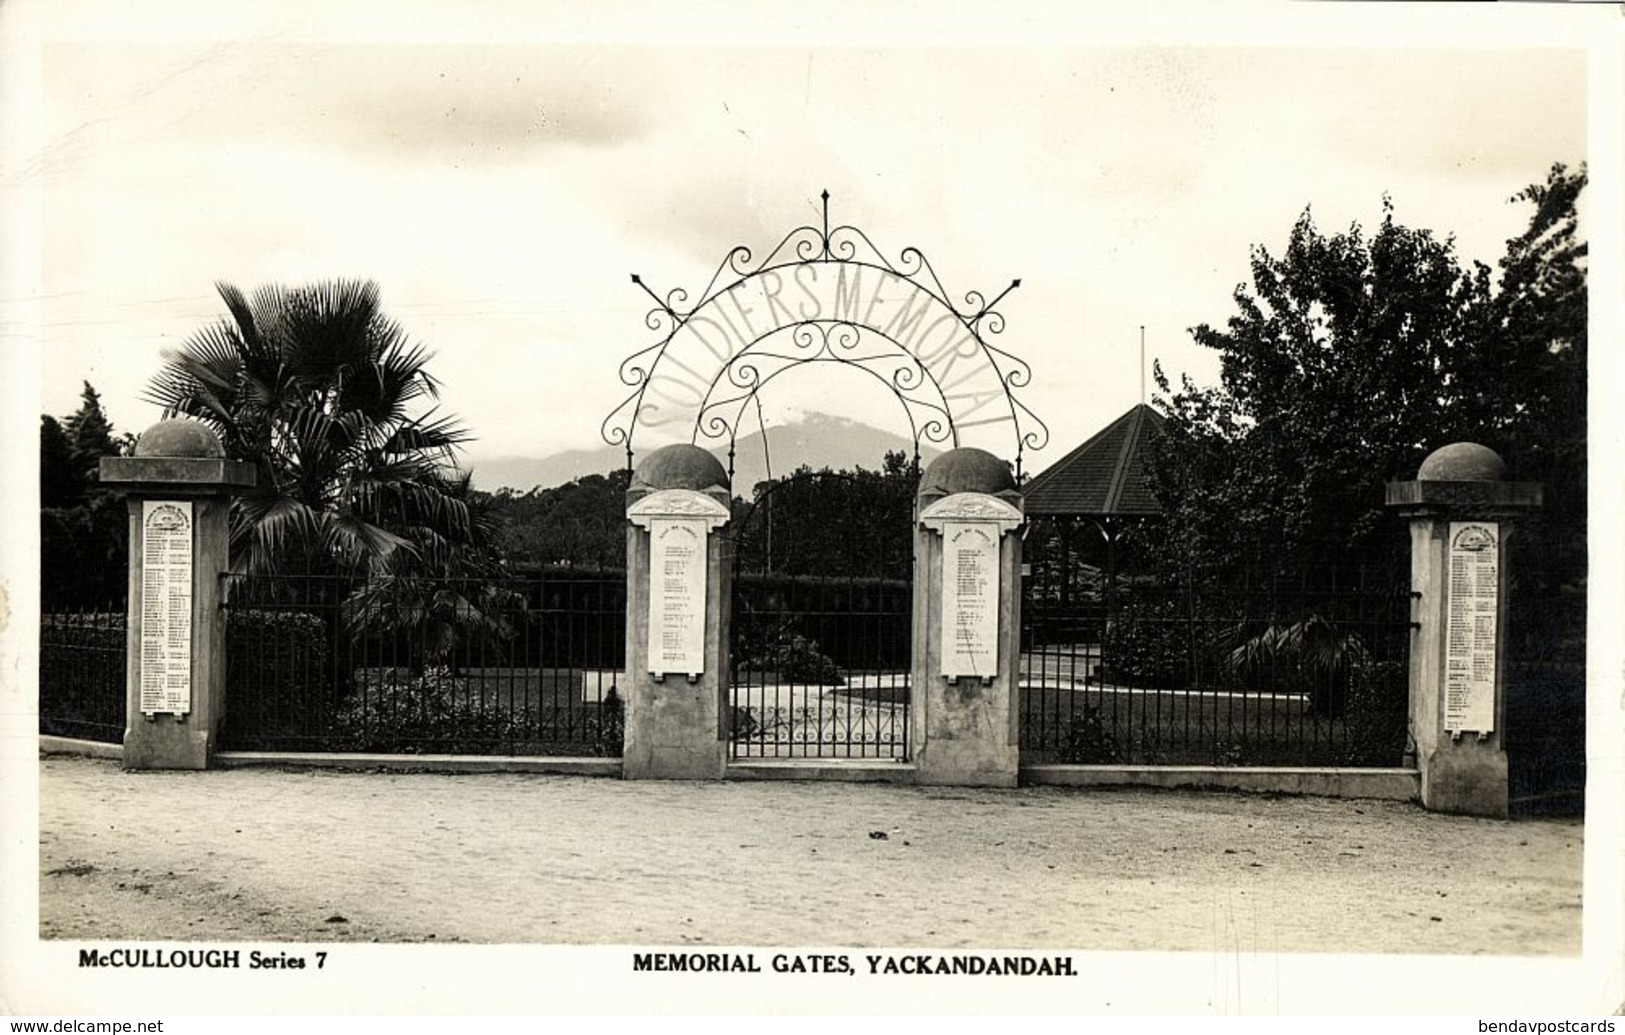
(1466, 778)
(165, 742)
(1389, 784)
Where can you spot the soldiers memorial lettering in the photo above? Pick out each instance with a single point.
(760, 307)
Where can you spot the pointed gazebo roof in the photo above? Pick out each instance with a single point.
(1104, 477)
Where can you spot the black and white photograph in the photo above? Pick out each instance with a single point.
(811, 509)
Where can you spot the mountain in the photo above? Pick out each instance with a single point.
(817, 440)
(523, 473)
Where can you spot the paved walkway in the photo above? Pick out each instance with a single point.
(322, 855)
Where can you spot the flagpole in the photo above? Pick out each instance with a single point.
(1142, 364)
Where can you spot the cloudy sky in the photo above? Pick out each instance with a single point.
(501, 191)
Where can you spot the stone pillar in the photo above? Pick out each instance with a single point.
(679, 574)
(1462, 510)
(179, 486)
(963, 714)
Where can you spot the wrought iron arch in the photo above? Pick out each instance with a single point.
(825, 341)
(733, 362)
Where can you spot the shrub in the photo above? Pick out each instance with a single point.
(1311, 652)
(611, 725)
(792, 658)
(1148, 644)
(1086, 740)
(1378, 723)
(429, 711)
(81, 670)
(742, 723)
(280, 684)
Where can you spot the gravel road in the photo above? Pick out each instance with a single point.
(317, 855)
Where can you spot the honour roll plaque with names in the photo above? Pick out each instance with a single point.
(970, 599)
(1473, 598)
(166, 607)
(677, 558)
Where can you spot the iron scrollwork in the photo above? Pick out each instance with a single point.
(945, 372)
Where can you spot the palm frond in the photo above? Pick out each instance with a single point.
(316, 386)
(358, 543)
(1312, 645)
(257, 350)
(267, 527)
(429, 432)
(199, 377)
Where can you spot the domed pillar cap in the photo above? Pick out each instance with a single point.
(1465, 479)
(180, 438)
(1462, 462)
(680, 466)
(181, 457)
(967, 469)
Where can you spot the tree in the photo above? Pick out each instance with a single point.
(83, 531)
(1351, 358)
(828, 522)
(1540, 315)
(59, 482)
(580, 523)
(315, 386)
(90, 434)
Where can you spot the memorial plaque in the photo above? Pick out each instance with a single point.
(166, 607)
(970, 598)
(1473, 604)
(677, 560)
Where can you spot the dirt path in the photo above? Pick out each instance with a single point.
(315, 855)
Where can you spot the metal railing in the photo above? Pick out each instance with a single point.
(82, 673)
(1209, 668)
(1545, 678)
(519, 666)
(820, 667)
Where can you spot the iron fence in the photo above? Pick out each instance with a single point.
(1195, 668)
(1306, 668)
(82, 662)
(519, 666)
(1545, 677)
(820, 667)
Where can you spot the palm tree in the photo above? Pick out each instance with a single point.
(448, 595)
(1312, 652)
(315, 386)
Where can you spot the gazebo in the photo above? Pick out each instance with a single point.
(1106, 479)
(1104, 484)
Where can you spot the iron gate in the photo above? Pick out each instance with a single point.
(820, 661)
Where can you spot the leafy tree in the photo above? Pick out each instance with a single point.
(59, 482)
(582, 522)
(850, 522)
(1539, 315)
(83, 526)
(1351, 357)
(316, 387)
(1334, 376)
